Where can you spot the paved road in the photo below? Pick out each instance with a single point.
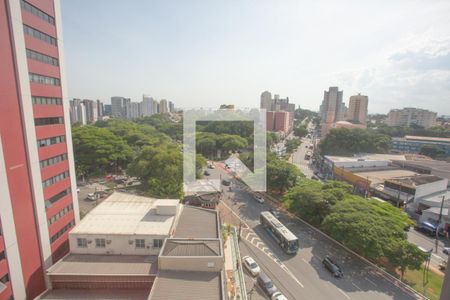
(298, 158)
(302, 276)
(427, 243)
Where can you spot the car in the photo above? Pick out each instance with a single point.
(331, 266)
(251, 265)
(278, 296)
(206, 173)
(91, 196)
(259, 198)
(226, 182)
(446, 250)
(275, 212)
(211, 166)
(426, 227)
(266, 284)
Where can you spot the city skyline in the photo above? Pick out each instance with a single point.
(201, 54)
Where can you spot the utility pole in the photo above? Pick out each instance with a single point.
(240, 230)
(439, 223)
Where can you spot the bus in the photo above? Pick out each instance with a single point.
(284, 237)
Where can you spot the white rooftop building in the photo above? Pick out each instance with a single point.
(125, 224)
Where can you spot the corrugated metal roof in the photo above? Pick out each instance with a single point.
(174, 247)
(77, 264)
(187, 285)
(103, 294)
(195, 222)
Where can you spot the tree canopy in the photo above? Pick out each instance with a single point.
(344, 141)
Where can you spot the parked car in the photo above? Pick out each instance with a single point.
(446, 250)
(278, 296)
(427, 228)
(251, 265)
(331, 266)
(211, 166)
(206, 173)
(266, 284)
(275, 212)
(226, 182)
(91, 196)
(259, 198)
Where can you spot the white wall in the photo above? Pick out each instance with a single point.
(431, 188)
(119, 244)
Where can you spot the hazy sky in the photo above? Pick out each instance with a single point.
(205, 53)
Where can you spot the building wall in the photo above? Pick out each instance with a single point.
(119, 244)
(183, 263)
(414, 146)
(431, 188)
(357, 108)
(409, 116)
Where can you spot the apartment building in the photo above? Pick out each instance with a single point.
(38, 203)
(411, 116)
(357, 109)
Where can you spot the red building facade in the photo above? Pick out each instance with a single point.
(37, 177)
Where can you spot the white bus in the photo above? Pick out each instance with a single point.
(284, 237)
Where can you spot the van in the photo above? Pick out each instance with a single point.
(266, 284)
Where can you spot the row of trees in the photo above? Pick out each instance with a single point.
(343, 141)
(436, 131)
(371, 228)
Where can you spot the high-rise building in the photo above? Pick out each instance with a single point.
(357, 109)
(171, 107)
(85, 111)
(107, 110)
(147, 106)
(266, 101)
(38, 199)
(332, 109)
(100, 110)
(156, 107)
(163, 106)
(119, 106)
(133, 110)
(411, 116)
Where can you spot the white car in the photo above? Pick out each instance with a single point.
(259, 198)
(278, 296)
(446, 250)
(251, 265)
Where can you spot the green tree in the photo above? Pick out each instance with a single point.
(281, 175)
(432, 151)
(98, 150)
(160, 169)
(405, 255)
(300, 131)
(292, 145)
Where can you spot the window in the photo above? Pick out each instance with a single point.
(81, 243)
(46, 100)
(42, 57)
(157, 243)
(2, 255)
(100, 243)
(55, 179)
(5, 279)
(61, 232)
(60, 214)
(48, 121)
(51, 141)
(37, 12)
(39, 35)
(60, 195)
(37, 78)
(53, 160)
(140, 243)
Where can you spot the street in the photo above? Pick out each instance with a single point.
(302, 276)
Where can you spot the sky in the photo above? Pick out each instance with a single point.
(206, 53)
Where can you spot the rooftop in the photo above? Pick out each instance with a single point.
(187, 285)
(127, 214)
(89, 264)
(417, 180)
(186, 247)
(366, 157)
(195, 222)
(377, 177)
(428, 138)
(101, 294)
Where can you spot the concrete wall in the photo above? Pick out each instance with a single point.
(431, 188)
(362, 164)
(120, 244)
(183, 263)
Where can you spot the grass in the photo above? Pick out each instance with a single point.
(432, 289)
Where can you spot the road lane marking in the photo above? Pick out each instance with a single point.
(343, 293)
(437, 256)
(356, 286)
(306, 262)
(371, 282)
